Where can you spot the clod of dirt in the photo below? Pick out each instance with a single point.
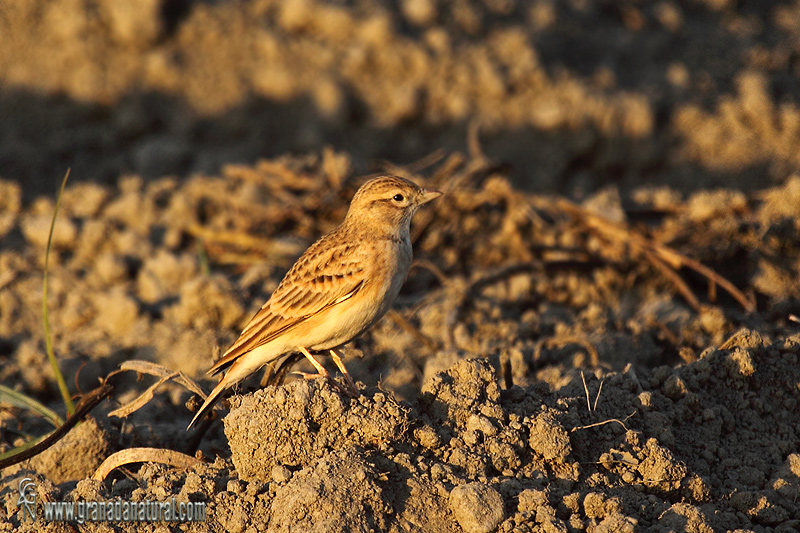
(463, 405)
(84, 200)
(706, 205)
(549, 438)
(660, 469)
(74, 457)
(36, 229)
(684, 517)
(163, 274)
(296, 424)
(787, 479)
(10, 204)
(205, 301)
(341, 492)
(477, 507)
(116, 312)
(451, 397)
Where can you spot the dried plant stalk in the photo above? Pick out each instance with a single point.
(143, 455)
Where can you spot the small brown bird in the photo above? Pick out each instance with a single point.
(338, 288)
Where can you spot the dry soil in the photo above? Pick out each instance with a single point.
(625, 360)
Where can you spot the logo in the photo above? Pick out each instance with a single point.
(27, 497)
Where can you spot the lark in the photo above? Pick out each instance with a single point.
(342, 285)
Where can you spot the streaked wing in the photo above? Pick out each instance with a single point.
(325, 275)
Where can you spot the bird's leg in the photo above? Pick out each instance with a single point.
(350, 383)
(321, 372)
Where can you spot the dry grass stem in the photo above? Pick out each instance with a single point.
(589, 406)
(142, 399)
(664, 258)
(143, 455)
(604, 422)
(164, 374)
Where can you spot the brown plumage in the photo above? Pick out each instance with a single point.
(336, 290)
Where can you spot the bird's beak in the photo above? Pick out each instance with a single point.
(428, 196)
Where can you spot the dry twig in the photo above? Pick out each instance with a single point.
(84, 406)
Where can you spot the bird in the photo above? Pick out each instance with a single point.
(339, 288)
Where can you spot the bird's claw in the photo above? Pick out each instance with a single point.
(349, 391)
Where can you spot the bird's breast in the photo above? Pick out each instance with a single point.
(385, 277)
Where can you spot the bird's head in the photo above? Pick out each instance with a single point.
(389, 202)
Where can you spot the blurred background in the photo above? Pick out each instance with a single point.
(571, 95)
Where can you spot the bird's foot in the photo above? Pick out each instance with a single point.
(353, 392)
(339, 388)
(309, 375)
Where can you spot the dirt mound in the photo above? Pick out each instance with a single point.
(292, 425)
(468, 457)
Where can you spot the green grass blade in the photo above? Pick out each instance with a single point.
(19, 449)
(48, 340)
(202, 257)
(19, 399)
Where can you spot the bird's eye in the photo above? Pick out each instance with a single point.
(398, 197)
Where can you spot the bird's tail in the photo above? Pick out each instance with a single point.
(211, 400)
(240, 367)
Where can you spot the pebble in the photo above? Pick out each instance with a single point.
(281, 474)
